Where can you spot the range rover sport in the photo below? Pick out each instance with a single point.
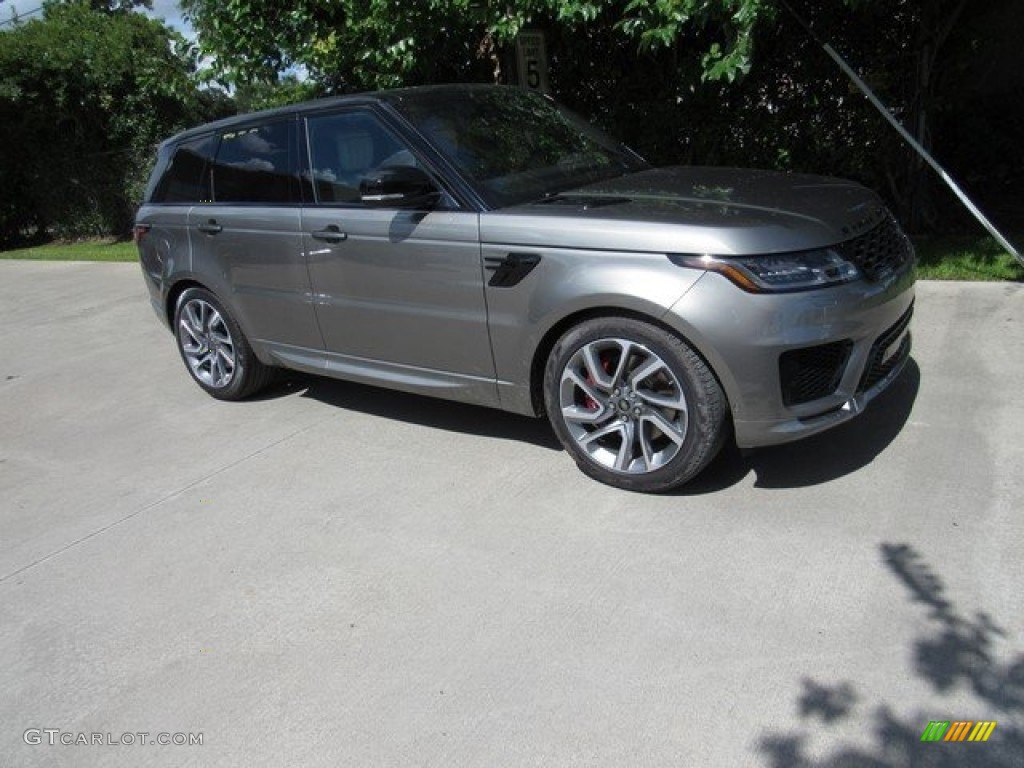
(481, 244)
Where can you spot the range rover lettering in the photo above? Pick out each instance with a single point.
(480, 243)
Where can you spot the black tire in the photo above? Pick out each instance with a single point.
(215, 351)
(634, 405)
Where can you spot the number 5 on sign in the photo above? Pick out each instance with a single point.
(532, 60)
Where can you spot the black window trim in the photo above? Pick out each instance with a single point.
(460, 194)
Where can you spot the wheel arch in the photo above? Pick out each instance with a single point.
(189, 281)
(556, 331)
(174, 293)
(251, 372)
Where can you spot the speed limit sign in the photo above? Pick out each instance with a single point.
(532, 59)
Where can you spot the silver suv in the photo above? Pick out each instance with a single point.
(481, 244)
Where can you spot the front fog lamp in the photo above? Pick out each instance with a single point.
(780, 272)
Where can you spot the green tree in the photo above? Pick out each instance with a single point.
(262, 94)
(947, 70)
(85, 93)
(922, 58)
(358, 44)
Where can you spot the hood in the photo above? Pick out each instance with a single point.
(721, 211)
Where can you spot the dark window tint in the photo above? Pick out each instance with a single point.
(182, 179)
(256, 165)
(346, 147)
(515, 145)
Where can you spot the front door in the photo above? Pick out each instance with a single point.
(398, 293)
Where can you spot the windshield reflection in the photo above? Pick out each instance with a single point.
(513, 145)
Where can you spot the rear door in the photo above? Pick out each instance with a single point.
(247, 239)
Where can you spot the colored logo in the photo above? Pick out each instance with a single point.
(958, 730)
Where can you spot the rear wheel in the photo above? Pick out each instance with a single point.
(214, 349)
(634, 405)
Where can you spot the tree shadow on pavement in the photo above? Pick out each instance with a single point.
(957, 653)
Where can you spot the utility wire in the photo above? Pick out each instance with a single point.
(19, 16)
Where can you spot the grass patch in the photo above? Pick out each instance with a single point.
(90, 250)
(959, 257)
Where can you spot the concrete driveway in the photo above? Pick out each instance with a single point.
(333, 575)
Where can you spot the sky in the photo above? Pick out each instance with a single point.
(167, 10)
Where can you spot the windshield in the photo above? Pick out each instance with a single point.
(513, 145)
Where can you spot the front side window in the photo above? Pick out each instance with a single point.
(256, 165)
(346, 147)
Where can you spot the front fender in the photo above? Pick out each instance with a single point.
(568, 283)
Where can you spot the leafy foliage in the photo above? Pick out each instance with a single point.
(85, 93)
(795, 110)
(359, 44)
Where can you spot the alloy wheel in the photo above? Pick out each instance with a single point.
(623, 405)
(206, 343)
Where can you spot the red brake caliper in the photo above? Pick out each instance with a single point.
(590, 403)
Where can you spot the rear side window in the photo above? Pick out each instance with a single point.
(182, 178)
(257, 165)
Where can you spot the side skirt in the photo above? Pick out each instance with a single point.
(421, 381)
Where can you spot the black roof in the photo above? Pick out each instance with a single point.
(330, 102)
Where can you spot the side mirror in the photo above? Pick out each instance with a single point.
(398, 186)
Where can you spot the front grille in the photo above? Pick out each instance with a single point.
(812, 372)
(882, 359)
(880, 252)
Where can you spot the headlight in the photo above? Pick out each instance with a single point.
(777, 273)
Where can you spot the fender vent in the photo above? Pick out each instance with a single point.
(511, 269)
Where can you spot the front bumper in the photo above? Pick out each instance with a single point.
(857, 335)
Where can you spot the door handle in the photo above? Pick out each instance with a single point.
(211, 227)
(331, 234)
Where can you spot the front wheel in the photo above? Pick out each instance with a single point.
(214, 349)
(633, 404)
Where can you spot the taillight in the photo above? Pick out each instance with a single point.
(139, 232)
